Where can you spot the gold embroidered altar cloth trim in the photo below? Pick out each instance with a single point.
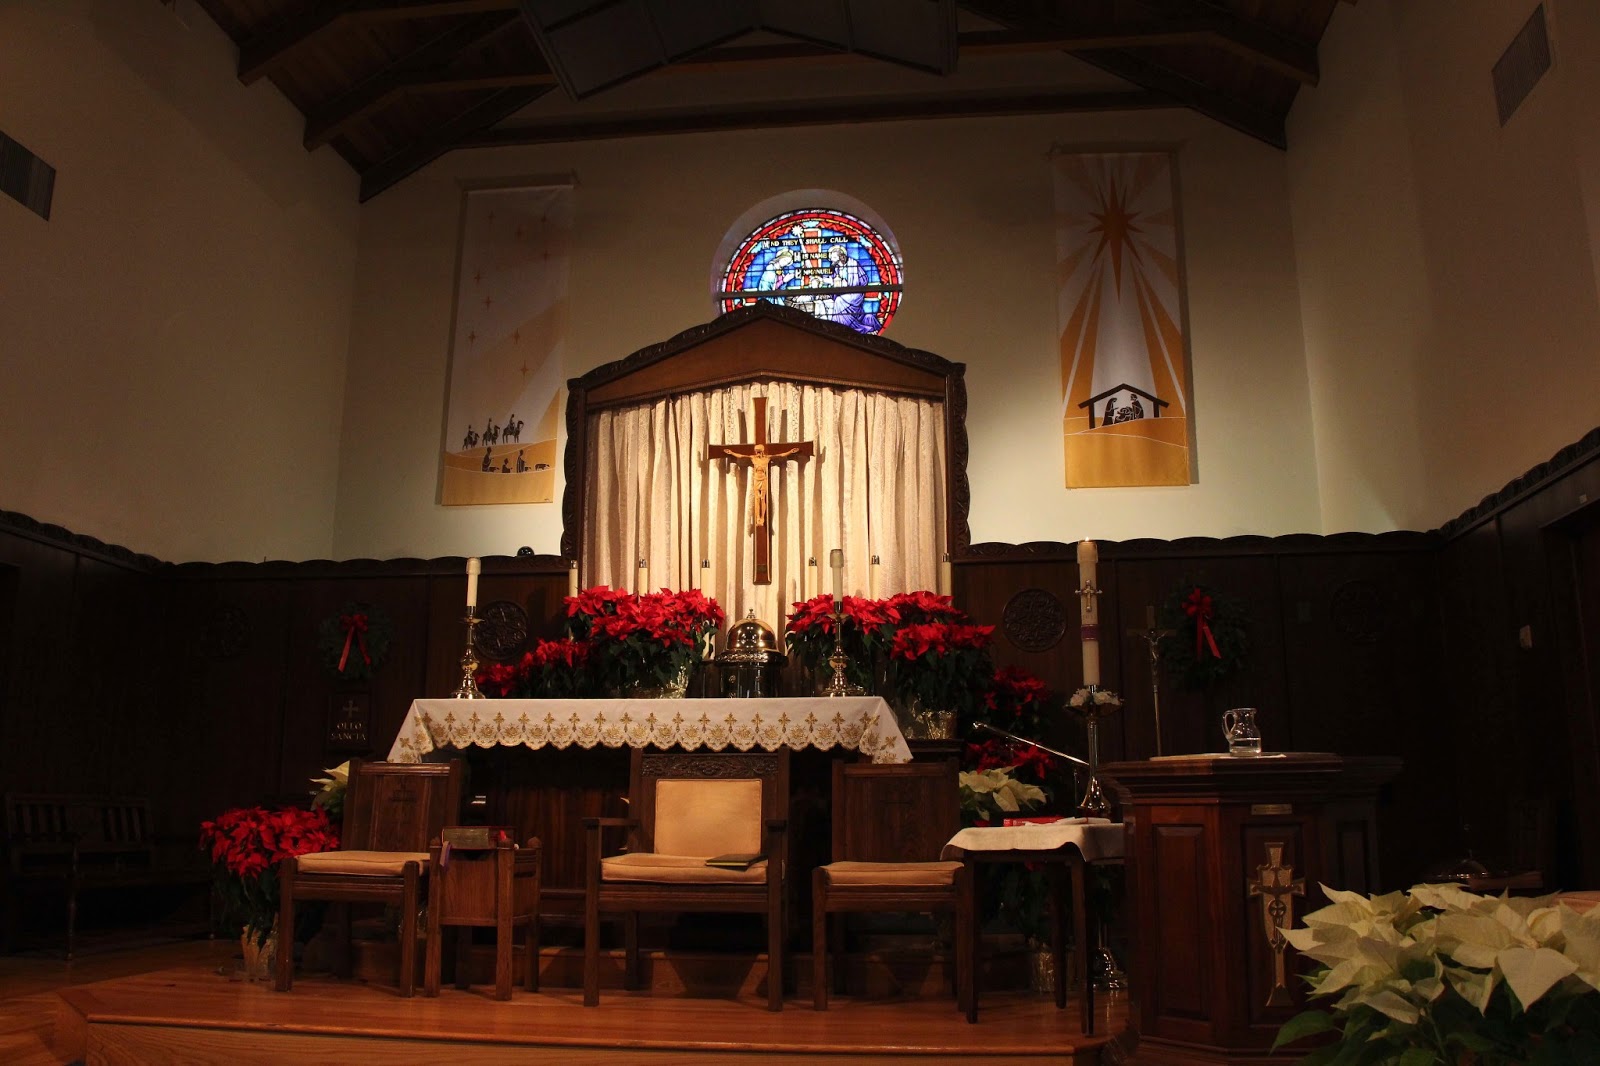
(864, 724)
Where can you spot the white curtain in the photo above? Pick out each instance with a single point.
(874, 486)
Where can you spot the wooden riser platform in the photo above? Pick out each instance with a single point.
(194, 1014)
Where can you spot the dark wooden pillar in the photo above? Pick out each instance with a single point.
(1210, 840)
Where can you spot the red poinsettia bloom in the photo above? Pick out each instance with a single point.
(248, 840)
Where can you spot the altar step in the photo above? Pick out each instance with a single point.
(879, 973)
(194, 1014)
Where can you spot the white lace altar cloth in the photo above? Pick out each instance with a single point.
(865, 724)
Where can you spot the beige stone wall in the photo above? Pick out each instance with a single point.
(1447, 264)
(173, 339)
(970, 202)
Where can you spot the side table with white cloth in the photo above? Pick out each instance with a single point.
(1063, 848)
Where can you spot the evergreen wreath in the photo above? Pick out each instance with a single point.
(354, 642)
(1207, 636)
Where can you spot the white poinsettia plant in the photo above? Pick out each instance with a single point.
(995, 793)
(1438, 974)
(329, 793)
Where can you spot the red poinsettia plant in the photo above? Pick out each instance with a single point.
(865, 625)
(943, 665)
(552, 670)
(246, 846)
(648, 640)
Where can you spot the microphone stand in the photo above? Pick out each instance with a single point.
(1033, 744)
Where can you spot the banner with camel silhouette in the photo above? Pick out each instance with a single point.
(506, 355)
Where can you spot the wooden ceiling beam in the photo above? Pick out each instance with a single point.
(1255, 41)
(1230, 111)
(425, 64)
(264, 51)
(462, 129)
(816, 113)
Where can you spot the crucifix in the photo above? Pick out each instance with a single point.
(760, 453)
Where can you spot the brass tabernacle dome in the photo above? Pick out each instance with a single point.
(751, 660)
(751, 639)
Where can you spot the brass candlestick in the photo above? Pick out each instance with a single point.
(839, 684)
(1094, 804)
(468, 689)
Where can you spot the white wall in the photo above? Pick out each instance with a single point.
(969, 200)
(172, 340)
(1448, 265)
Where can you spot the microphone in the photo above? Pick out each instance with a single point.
(1033, 744)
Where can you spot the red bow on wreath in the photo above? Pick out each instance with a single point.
(1198, 606)
(354, 626)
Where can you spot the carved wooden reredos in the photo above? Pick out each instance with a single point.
(768, 343)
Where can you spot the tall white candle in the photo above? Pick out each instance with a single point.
(572, 578)
(1088, 558)
(474, 567)
(946, 581)
(836, 563)
(644, 578)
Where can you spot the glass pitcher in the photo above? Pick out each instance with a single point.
(1239, 727)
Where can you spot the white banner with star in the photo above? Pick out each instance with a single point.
(506, 356)
(1125, 393)
(861, 723)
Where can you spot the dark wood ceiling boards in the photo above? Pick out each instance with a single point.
(393, 84)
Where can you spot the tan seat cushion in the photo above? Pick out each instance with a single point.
(677, 869)
(892, 874)
(362, 863)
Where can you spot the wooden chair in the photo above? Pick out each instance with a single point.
(391, 813)
(688, 807)
(889, 824)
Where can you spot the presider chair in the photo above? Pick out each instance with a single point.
(889, 824)
(392, 811)
(689, 807)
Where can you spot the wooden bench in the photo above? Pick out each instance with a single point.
(82, 844)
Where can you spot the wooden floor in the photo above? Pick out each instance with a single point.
(182, 1004)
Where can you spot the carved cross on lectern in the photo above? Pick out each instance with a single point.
(760, 453)
(1277, 886)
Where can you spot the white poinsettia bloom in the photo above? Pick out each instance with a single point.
(1531, 972)
(1580, 941)
(1476, 940)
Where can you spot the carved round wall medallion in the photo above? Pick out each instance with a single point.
(1357, 611)
(502, 632)
(1034, 620)
(226, 632)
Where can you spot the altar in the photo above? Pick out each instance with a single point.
(859, 723)
(542, 766)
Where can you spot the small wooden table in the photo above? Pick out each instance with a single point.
(480, 878)
(1064, 848)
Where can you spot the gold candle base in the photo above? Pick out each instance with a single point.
(468, 689)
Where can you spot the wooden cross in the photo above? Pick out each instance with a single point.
(1277, 886)
(760, 453)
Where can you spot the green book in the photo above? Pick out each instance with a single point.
(737, 860)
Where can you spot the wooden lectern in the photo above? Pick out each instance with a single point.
(1221, 853)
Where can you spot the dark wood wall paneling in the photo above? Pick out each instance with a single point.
(1344, 643)
(200, 684)
(1523, 719)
